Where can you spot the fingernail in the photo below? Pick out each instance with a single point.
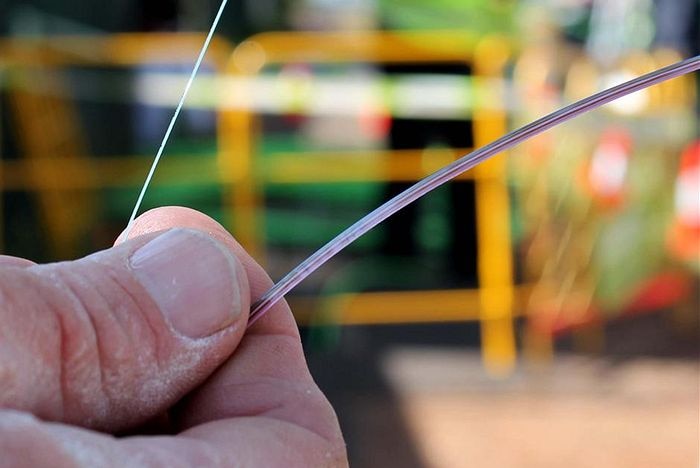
(191, 279)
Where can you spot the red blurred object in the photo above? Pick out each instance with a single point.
(662, 291)
(607, 171)
(684, 233)
(375, 122)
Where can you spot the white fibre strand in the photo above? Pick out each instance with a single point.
(166, 137)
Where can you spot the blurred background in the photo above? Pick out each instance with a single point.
(541, 310)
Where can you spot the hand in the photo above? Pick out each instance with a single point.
(152, 334)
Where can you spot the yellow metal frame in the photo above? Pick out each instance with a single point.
(238, 132)
(237, 167)
(56, 165)
(125, 49)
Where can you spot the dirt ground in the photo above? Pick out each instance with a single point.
(579, 413)
(418, 397)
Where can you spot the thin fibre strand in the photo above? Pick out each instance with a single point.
(171, 125)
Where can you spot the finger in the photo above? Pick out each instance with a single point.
(10, 261)
(267, 377)
(115, 338)
(26, 441)
(279, 318)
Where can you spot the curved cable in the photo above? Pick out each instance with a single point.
(455, 168)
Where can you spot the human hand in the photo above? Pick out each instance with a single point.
(152, 333)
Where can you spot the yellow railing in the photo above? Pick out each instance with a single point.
(54, 162)
(63, 174)
(494, 300)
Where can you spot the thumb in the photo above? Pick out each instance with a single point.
(115, 338)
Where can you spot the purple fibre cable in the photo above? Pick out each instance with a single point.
(456, 168)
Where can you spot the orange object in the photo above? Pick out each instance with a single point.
(684, 233)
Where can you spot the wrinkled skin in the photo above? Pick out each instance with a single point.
(92, 375)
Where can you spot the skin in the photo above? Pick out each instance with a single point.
(91, 374)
